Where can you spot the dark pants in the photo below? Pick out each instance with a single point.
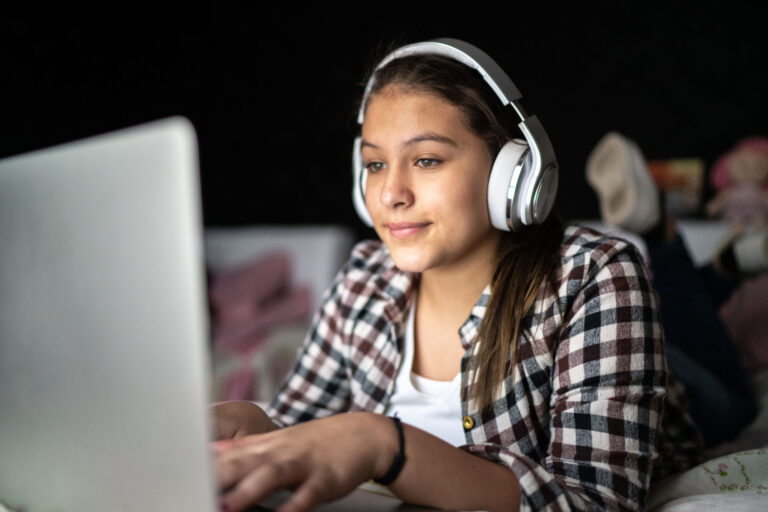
(699, 349)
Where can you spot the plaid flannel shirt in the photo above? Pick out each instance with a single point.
(580, 420)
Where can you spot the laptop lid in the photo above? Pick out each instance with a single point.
(103, 360)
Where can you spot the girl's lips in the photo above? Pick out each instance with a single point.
(405, 229)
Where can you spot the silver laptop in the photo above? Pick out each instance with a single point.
(103, 389)
(103, 329)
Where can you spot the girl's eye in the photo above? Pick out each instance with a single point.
(374, 166)
(428, 163)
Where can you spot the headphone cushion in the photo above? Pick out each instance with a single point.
(358, 187)
(505, 174)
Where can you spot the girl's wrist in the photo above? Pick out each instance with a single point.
(388, 443)
(381, 438)
(398, 460)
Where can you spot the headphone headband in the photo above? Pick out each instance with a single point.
(463, 52)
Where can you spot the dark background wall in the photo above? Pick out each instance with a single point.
(272, 91)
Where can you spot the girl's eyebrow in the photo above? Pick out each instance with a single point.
(442, 139)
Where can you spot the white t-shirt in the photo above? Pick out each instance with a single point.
(431, 405)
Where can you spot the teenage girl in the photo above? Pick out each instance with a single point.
(523, 360)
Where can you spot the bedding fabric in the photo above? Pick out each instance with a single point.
(738, 481)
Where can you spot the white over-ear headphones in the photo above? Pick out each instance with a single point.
(523, 182)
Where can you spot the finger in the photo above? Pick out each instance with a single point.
(309, 494)
(233, 464)
(240, 439)
(257, 484)
(238, 442)
(234, 458)
(221, 446)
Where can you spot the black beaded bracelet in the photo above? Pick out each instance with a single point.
(397, 464)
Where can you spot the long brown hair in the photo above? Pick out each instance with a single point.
(527, 259)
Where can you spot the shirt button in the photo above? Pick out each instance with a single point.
(468, 422)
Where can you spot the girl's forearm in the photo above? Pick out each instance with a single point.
(440, 475)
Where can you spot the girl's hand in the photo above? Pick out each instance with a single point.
(238, 419)
(320, 460)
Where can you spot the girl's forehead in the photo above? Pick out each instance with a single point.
(404, 109)
(405, 97)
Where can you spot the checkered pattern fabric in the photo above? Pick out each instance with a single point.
(579, 421)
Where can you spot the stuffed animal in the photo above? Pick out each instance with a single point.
(741, 179)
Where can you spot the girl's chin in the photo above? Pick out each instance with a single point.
(405, 267)
(409, 264)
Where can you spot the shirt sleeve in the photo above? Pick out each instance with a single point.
(318, 385)
(608, 378)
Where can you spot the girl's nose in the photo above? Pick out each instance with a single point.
(396, 190)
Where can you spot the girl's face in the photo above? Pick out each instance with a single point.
(427, 177)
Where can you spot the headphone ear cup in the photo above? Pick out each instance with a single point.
(358, 186)
(504, 185)
(544, 194)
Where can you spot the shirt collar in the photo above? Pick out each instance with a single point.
(397, 287)
(468, 330)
